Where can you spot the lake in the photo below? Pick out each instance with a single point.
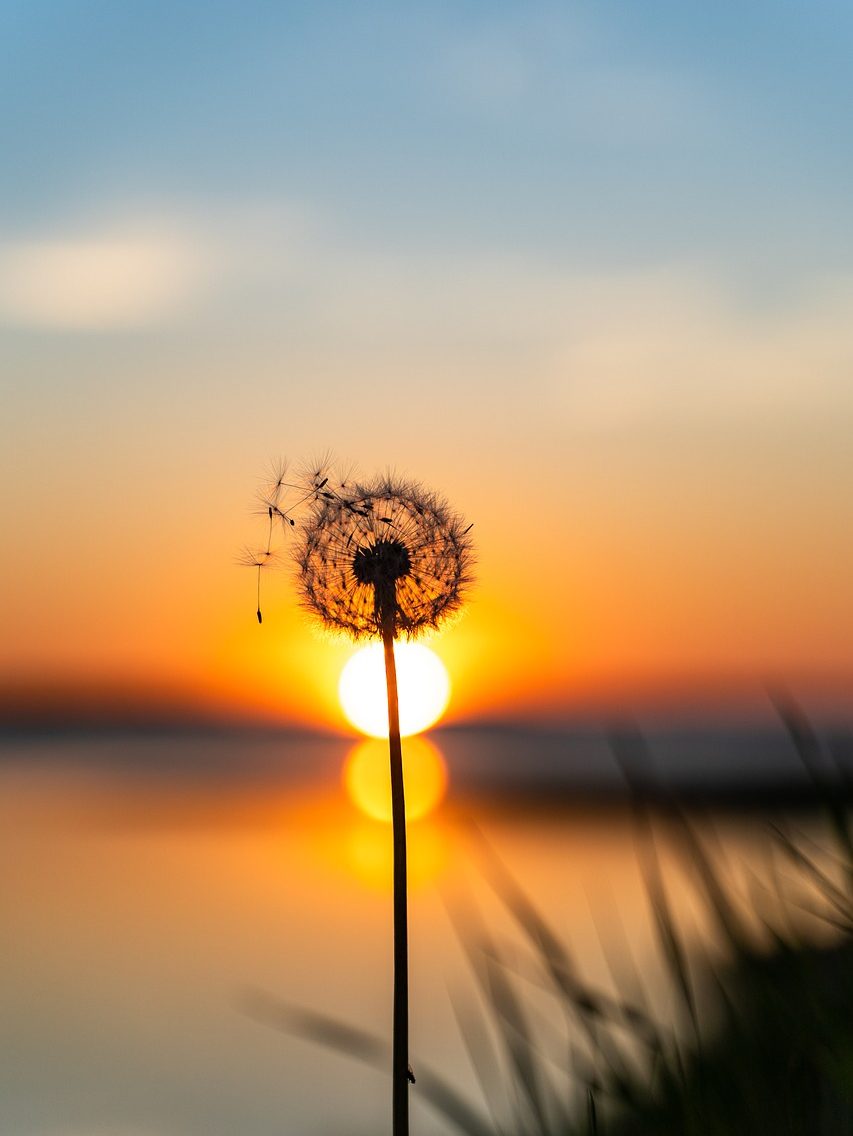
(151, 884)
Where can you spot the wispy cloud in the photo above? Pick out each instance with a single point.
(671, 347)
(608, 350)
(150, 268)
(565, 73)
(99, 281)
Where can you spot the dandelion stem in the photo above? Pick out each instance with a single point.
(400, 1061)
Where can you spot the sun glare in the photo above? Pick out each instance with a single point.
(422, 679)
(369, 785)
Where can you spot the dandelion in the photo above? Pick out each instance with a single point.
(379, 560)
(385, 558)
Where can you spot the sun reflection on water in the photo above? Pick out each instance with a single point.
(368, 855)
(367, 779)
(366, 844)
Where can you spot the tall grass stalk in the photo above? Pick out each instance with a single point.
(761, 1034)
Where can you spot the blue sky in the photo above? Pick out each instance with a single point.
(617, 131)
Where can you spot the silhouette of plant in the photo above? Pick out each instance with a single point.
(386, 556)
(375, 560)
(754, 1035)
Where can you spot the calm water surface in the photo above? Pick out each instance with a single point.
(140, 902)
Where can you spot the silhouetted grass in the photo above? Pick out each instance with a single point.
(761, 1037)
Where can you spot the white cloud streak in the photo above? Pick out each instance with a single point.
(100, 282)
(606, 351)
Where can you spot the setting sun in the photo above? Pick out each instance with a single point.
(424, 688)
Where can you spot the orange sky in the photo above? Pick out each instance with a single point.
(613, 569)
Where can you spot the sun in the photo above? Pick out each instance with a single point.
(422, 680)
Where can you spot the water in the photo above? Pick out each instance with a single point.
(148, 884)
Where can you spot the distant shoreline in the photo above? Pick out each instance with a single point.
(722, 767)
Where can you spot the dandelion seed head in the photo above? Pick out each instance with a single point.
(385, 555)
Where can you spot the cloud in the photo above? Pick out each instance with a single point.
(565, 73)
(145, 267)
(608, 351)
(626, 349)
(670, 347)
(122, 279)
(613, 350)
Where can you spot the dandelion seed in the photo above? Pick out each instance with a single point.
(275, 483)
(259, 559)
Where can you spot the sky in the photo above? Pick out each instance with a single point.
(585, 268)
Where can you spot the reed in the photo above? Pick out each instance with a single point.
(760, 1038)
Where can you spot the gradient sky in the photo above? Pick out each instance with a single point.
(588, 268)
